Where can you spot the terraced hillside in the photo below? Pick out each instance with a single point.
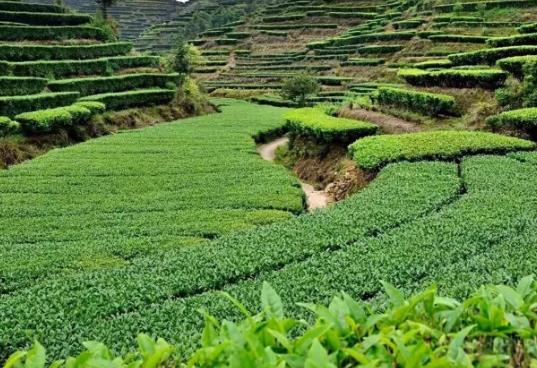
(58, 70)
(176, 230)
(355, 48)
(133, 16)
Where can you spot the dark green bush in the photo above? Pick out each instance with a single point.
(12, 86)
(123, 100)
(45, 19)
(422, 102)
(455, 78)
(313, 122)
(57, 52)
(522, 119)
(8, 126)
(13, 105)
(517, 40)
(93, 86)
(39, 33)
(490, 56)
(19, 6)
(49, 120)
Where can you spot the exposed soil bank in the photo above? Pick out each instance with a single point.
(314, 198)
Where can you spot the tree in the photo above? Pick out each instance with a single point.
(104, 5)
(185, 57)
(299, 88)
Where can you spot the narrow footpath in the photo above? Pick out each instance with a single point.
(315, 199)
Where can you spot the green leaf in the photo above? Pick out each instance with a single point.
(456, 352)
(396, 297)
(510, 295)
(271, 301)
(524, 286)
(317, 356)
(36, 356)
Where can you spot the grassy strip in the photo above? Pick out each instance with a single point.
(422, 102)
(372, 153)
(460, 78)
(315, 123)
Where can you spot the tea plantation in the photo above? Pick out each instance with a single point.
(194, 242)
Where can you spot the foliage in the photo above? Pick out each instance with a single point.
(40, 33)
(371, 153)
(517, 40)
(314, 123)
(45, 19)
(299, 87)
(490, 56)
(26, 52)
(455, 78)
(522, 119)
(184, 58)
(440, 331)
(433, 104)
(11, 86)
(134, 98)
(92, 86)
(50, 120)
(8, 126)
(14, 105)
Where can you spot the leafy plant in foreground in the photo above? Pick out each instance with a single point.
(495, 327)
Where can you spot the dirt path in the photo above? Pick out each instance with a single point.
(314, 198)
(389, 124)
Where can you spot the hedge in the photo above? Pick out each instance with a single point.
(372, 153)
(517, 40)
(490, 56)
(434, 64)
(523, 119)
(370, 37)
(58, 52)
(13, 105)
(347, 14)
(528, 28)
(315, 123)
(423, 102)
(8, 126)
(455, 78)
(515, 64)
(49, 120)
(59, 68)
(12, 86)
(458, 38)
(123, 100)
(42, 33)
(348, 329)
(125, 62)
(93, 86)
(380, 49)
(24, 7)
(363, 62)
(45, 19)
(472, 6)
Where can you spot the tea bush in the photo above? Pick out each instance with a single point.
(372, 153)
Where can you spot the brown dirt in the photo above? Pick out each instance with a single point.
(387, 123)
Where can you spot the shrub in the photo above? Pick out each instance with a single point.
(490, 56)
(528, 28)
(478, 5)
(363, 62)
(92, 86)
(40, 33)
(380, 49)
(14, 105)
(372, 37)
(515, 65)
(299, 88)
(315, 123)
(457, 38)
(123, 100)
(471, 78)
(522, 119)
(49, 120)
(45, 19)
(372, 153)
(434, 64)
(18, 6)
(8, 126)
(56, 52)
(345, 333)
(426, 103)
(517, 40)
(11, 86)
(93, 106)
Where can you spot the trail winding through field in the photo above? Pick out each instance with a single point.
(315, 199)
